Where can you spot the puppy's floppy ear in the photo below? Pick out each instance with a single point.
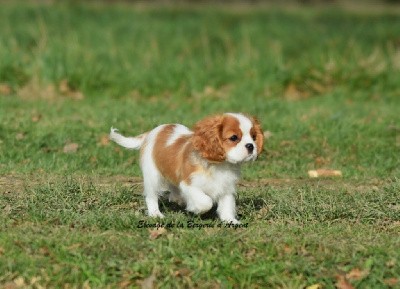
(207, 138)
(259, 134)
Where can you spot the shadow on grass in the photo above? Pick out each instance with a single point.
(167, 206)
(247, 204)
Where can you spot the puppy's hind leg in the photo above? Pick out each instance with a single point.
(153, 188)
(151, 197)
(152, 183)
(152, 179)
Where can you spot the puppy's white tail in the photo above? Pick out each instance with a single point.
(133, 143)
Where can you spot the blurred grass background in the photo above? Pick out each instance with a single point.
(323, 79)
(118, 50)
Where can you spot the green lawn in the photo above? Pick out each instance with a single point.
(324, 82)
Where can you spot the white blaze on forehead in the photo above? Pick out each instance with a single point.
(179, 130)
(245, 123)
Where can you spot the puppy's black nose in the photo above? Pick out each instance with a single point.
(249, 147)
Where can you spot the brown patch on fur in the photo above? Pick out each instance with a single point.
(230, 127)
(173, 161)
(207, 138)
(257, 134)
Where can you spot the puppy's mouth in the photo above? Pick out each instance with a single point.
(250, 157)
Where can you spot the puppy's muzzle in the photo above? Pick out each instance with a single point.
(250, 148)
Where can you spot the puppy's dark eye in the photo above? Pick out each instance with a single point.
(234, 138)
(254, 136)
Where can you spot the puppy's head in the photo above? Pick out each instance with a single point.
(230, 137)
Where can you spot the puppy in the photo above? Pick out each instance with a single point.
(200, 167)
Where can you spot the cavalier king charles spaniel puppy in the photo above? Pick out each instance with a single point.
(198, 168)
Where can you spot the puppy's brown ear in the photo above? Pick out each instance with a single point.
(207, 138)
(258, 133)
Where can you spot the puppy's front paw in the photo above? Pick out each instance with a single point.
(236, 222)
(231, 221)
(156, 214)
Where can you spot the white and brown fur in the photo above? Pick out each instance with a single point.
(199, 167)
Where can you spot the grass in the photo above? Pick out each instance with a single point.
(324, 82)
(73, 231)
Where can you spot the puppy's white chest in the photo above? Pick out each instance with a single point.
(217, 181)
